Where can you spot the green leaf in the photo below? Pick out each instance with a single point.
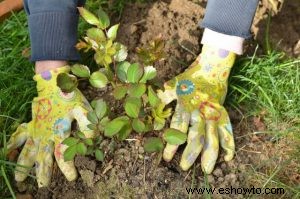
(92, 126)
(99, 155)
(174, 136)
(148, 128)
(98, 140)
(89, 141)
(121, 53)
(122, 69)
(120, 92)
(96, 34)
(159, 113)
(133, 106)
(108, 73)
(153, 144)
(153, 98)
(138, 125)
(113, 127)
(100, 108)
(70, 153)
(137, 90)
(158, 125)
(81, 148)
(90, 150)
(80, 70)
(134, 73)
(70, 141)
(66, 82)
(99, 57)
(98, 80)
(107, 59)
(92, 117)
(148, 124)
(125, 131)
(104, 19)
(104, 121)
(112, 32)
(149, 73)
(89, 17)
(80, 135)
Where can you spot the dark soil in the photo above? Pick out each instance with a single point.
(132, 173)
(284, 29)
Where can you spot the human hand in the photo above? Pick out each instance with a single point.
(52, 114)
(200, 93)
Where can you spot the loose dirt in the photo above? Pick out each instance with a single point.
(132, 173)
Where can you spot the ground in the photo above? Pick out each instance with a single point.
(132, 173)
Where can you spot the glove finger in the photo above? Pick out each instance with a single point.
(211, 147)
(180, 121)
(226, 136)
(18, 138)
(67, 167)
(195, 141)
(44, 163)
(80, 115)
(26, 160)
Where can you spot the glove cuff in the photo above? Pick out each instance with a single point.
(51, 74)
(227, 42)
(213, 57)
(46, 81)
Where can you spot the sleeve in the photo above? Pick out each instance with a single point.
(53, 28)
(230, 17)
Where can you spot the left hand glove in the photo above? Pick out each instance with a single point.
(200, 92)
(52, 114)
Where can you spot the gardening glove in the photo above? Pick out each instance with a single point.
(200, 93)
(52, 114)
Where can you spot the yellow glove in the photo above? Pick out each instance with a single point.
(52, 114)
(200, 92)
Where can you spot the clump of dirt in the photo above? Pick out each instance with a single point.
(130, 172)
(177, 23)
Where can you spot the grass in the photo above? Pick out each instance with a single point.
(271, 84)
(17, 88)
(268, 84)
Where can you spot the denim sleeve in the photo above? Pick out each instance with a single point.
(230, 17)
(53, 28)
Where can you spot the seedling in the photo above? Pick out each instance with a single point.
(142, 109)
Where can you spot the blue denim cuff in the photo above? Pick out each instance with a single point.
(53, 28)
(53, 35)
(230, 17)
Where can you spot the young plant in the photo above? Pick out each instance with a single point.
(152, 52)
(130, 82)
(142, 109)
(88, 146)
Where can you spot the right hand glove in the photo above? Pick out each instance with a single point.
(52, 114)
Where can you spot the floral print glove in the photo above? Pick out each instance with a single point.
(52, 114)
(200, 93)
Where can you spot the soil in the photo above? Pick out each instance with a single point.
(284, 29)
(132, 173)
